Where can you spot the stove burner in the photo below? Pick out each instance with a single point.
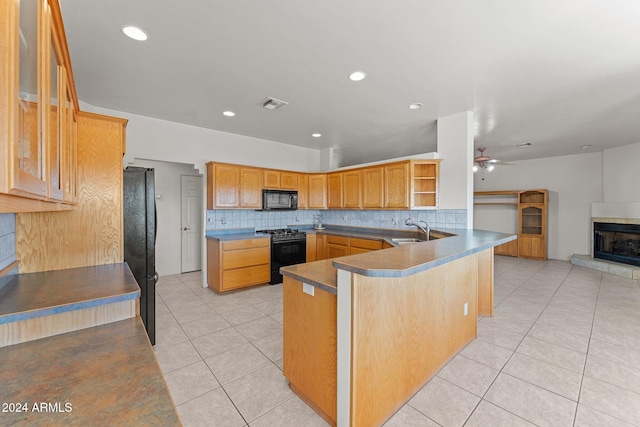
(284, 234)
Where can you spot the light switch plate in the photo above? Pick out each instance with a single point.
(308, 289)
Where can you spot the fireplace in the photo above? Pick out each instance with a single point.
(617, 242)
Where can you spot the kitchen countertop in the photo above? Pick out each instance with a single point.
(399, 261)
(31, 295)
(105, 375)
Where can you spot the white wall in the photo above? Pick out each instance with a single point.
(168, 207)
(455, 147)
(573, 183)
(621, 171)
(149, 138)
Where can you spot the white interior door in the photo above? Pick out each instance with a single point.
(191, 199)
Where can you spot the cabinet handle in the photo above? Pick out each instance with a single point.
(186, 228)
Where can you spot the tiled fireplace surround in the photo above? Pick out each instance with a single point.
(613, 213)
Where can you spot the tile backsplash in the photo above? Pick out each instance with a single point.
(7, 245)
(260, 220)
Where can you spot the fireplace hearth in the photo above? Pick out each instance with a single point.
(617, 242)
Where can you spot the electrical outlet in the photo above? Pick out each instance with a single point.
(466, 308)
(308, 289)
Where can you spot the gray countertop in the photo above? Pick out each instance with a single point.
(397, 261)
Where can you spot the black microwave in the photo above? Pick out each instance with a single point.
(283, 200)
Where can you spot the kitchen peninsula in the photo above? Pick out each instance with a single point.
(363, 333)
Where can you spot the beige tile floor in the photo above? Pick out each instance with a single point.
(563, 349)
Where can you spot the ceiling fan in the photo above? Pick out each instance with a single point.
(483, 162)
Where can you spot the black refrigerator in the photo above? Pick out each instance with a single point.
(140, 239)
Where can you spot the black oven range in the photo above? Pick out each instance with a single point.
(288, 247)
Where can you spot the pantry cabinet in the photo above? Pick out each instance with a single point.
(37, 106)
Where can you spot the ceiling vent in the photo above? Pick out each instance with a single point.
(272, 103)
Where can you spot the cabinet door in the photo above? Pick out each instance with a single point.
(351, 187)
(289, 181)
(271, 179)
(538, 248)
(303, 191)
(524, 246)
(321, 247)
(250, 188)
(22, 137)
(318, 191)
(227, 186)
(334, 190)
(373, 188)
(335, 251)
(56, 90)
(396, 186)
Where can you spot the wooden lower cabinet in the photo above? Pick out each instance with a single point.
(332, 246)
(531, 247)
(508, 249)
(238, 263)
(311, 247)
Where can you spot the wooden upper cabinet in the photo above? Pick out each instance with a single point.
(251, 188)
(289, 180)
(352, 193)
(271, 178)
(36, 85)
(334, 190)
(425, 174)
(223, 186)
(318, 191)
(303, 191)
(396, 186)
(373, 188)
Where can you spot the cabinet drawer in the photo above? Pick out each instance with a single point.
(245, 258)
(233, 245)
(248, 276)
(337, 240)
(365, 243)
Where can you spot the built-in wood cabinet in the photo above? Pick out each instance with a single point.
(237, 264)
(318, 191)
(311, 246)
(373, 187)
(358, 245)
(37, 105)
(92, 232)
(410, 184)
(528, 219)
(532, 235)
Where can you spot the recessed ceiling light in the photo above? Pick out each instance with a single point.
(584, 147)
(524, 144)
(356, 76)
(415, 105)
(228, 113)
(134, 33)
(316, 135)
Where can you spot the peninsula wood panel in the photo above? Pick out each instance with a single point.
(91, 233)
(310, 346)
(485, 282)
(418, 339)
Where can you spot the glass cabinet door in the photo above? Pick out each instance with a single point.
(56, 74)
(29, 175)
(531, 220)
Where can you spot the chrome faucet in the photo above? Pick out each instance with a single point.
(426, 229)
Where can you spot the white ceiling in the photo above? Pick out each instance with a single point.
(558, 73)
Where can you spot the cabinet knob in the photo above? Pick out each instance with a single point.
(186, 228)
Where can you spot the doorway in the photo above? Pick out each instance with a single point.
(191, 216)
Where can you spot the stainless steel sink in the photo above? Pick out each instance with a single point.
(406, 241)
